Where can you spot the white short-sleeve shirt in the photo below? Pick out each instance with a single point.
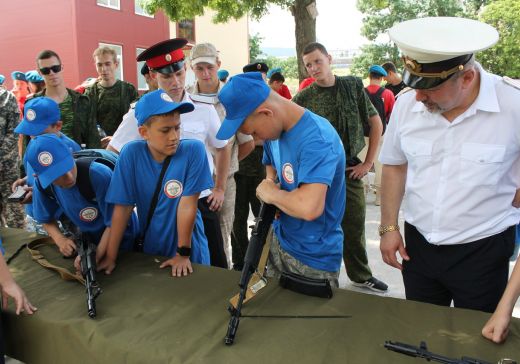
(462, 175)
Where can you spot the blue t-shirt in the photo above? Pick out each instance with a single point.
(89, 216)
(134, 182)
(311, 152)
(73, 146)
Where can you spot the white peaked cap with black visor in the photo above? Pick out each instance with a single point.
(435, 48)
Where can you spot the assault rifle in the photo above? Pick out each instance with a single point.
(87, 254)
(422, 352)
(254, 251)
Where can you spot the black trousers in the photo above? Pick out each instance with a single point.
(2, 352)
(217, 255)
(246, 196)
(472, 275)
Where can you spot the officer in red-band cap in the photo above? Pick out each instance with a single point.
(166, 62)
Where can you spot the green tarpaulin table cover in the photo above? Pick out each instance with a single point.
(146, 316)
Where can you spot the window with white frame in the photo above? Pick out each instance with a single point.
(119, 52)
(141, 81)
(113, 4)
(140, 11)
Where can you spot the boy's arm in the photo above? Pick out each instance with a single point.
(497, 327)
(67, 246)
(186, 214)
(11, 289)
(222, 160)
(306, 202)
(120, 218)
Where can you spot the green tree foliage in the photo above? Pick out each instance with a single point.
(288, 65)
(255, 42)
(305, 25)
(226, 9)
(503, 58)
(381, 15)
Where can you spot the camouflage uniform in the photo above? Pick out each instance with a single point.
(227, 211)
(77, 121)
(280, 261)
(11, 214)
(347, 107)
(110, 104)
(250, 173)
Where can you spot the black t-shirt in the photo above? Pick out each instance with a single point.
(395, 88)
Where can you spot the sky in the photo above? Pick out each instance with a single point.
(337, 26)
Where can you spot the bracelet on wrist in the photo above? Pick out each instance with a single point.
(383, 229)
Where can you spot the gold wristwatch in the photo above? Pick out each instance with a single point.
(386, 228)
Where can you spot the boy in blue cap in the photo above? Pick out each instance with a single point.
(54, 166)
(178, 171)
(35, 81)
(304, 151)
(42, 116)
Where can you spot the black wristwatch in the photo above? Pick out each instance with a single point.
(183, 251)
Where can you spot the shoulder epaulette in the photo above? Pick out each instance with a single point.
(511, 82)
(212, 100)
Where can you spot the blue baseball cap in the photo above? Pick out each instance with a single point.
(156, 103)
(49, 157)
(377, 69)
(241, 96)
(33, 76)
(222, 74)
(274, 70)
(2, 79)
(19, 76)
(38, 114)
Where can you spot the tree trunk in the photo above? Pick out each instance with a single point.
(305, 31)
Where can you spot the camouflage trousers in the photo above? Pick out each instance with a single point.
(226, 215)
(280, 261)
(11, 214)
(353, 225)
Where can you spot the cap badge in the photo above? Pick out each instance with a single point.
(30, 115)
(258, 66)
(173, 188)
(45, 159)
(166, 97)
(88, 214)
(412, 65)
(168, 57)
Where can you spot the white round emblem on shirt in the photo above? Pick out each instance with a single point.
(166, 97)
(173, 188)
(288, 173)
(88, 214)
(45, 159)
(30, 115)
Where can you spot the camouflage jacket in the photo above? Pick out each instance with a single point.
(110, 104)
(345, 105)
(9, 117)
(77, 121)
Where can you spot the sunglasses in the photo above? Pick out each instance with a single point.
(47, 70)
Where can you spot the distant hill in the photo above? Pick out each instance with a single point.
(279, 52)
